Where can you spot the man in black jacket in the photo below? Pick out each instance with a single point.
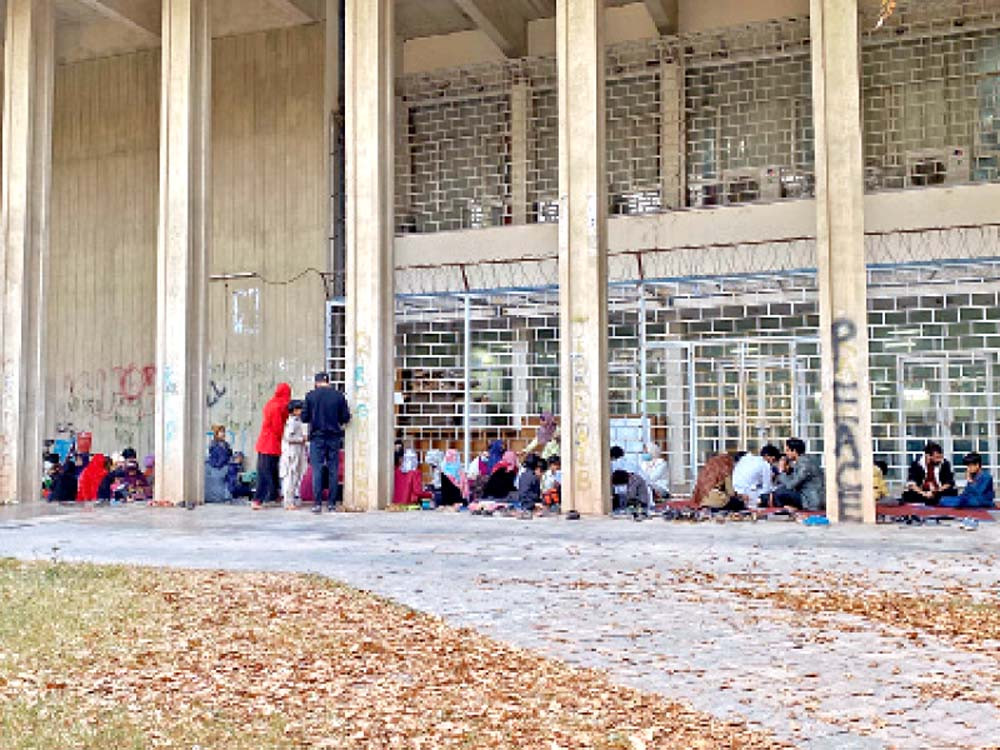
(930, 479)
(326, 412)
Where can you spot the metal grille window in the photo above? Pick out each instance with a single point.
(930, 96)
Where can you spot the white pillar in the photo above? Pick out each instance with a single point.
(583, 276)
(27, 171)
(520, 118)
(182, 250)
(840, 252)
(371, 47)
(673, 169)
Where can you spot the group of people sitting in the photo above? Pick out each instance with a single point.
(495, 480)
(794, 480)
(85, 477)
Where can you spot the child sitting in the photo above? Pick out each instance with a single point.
(551, 483)
(529, 487)
(978, 493)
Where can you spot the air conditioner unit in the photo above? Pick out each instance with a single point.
(704, 192)
(752, 184)
(937, 166)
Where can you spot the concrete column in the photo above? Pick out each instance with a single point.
(583, 267)
(371, 47)
(24, 217)
(840, 252)
(182, 249)
(673, 169)
(520, 117)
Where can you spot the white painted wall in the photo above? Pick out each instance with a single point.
(269, 217)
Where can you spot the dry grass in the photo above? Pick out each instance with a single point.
(115, 657)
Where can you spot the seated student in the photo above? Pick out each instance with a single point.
(654, 467)
(529, 485)
(714, 486)
(930, 478)
(64, 483)
(880, 471)
(552, 482)
(454, 485)
(502, 481)
(753, 476)
(131, 485)
(629, 491)
(800, 479)
(978, 492)
(91, 478)
(548, 430)
(235, 480)
(115, 472)
(217, 467)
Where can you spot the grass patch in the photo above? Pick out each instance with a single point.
(120, 657)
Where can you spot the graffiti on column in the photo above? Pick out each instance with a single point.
(362, 398)
(583, 461)
(846, 411)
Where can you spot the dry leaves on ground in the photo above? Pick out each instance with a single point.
(271, 660)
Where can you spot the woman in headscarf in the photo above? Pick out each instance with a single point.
(269, 444)
(547, 431)
(408, 485)
(714, 486)
(64, 484)
(494, 455)
(454, 485)
(217, 467)
(503, 480)
(90, 479)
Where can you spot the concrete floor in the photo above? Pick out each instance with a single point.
(612, 594)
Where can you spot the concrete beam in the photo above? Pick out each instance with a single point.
(370, 47)
(840, 260)
(665, 14)
(298, 11)
(29, 69)
(142, 16)
(505, 27)
(583, 259)
(184, 234)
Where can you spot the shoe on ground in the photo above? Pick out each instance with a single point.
(255, 505)
(317, 508)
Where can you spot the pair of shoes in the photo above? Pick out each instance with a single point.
(317, 508)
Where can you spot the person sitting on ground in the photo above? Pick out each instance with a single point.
(629, 491)
(149, 468)
(115, 472)
(930, 479)
(880, 470)
(978, 492)
(654, 467)
(217, 467)
(495, 454)
(800, 479)
(454, 485)
(235, 479)
(714, 486)
(91, 478)
(503, 480)
(64, 483)
(131, 484)
(529, 485)
(408, 484)
(551, 483)
(753, 476)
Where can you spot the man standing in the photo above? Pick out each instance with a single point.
(326, 413)
(800, 479)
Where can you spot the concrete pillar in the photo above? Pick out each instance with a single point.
(182, 249)
(840, 255)
(27, 172)
(520, 117)
(583, 267)
(371, 47)
(673, 170)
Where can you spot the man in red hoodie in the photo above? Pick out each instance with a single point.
(269, 445)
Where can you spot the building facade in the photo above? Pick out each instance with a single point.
(701, 225)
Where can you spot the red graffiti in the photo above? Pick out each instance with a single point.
(134, 382)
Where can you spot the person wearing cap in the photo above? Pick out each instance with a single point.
(293, 455)
(978, 492)
(325, 412)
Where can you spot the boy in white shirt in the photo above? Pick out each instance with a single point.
(753, 477)
(294, 456)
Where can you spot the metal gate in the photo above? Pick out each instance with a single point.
(728, 394)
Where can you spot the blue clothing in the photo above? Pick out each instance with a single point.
(219, 454)
(977, 494)
(324, 451)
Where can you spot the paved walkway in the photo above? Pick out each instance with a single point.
(623, 597)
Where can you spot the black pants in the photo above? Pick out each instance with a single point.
(782, 497)
(324, 452)
(267, 477)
